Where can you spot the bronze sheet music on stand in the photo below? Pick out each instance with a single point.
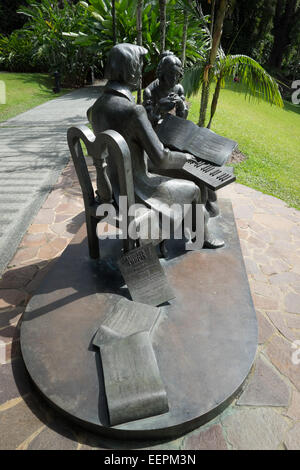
(180, 134)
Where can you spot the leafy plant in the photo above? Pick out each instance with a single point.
(97, 33)
(16, 53)
(51, 50)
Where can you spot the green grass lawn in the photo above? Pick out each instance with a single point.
(269, 136)
(25, 91)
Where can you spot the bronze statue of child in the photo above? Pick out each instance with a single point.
(166, 94)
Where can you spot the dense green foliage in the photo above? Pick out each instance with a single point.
(16, 53)
(268, 31)
(97, 33)
(42, 45)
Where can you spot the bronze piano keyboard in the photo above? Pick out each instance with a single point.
(214, 177)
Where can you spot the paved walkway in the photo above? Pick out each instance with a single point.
(33, 152)
(265, 416)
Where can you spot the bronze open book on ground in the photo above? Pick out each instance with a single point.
(180, 134)
(133, 386)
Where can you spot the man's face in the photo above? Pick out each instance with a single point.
(135, 81)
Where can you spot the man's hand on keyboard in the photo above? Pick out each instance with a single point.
(190, 157)
(176, 160)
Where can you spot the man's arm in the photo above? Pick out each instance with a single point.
(160, 156)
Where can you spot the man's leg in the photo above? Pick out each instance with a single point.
(210, 240)
(212, 203)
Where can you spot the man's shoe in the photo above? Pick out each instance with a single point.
(213, 243)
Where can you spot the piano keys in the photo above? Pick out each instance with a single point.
(214, 177)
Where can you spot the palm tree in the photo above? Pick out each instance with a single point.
(139, 40)
(184, 35)
(163, 22)
(216, 33)
(114, 28)
(257, 82)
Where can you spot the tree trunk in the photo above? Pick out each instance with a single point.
(212, 16)
(204, 102)
(162, 16)
(215, 100)
(208, 73)
(184, 36)
(113, 14)
(139, 29)
(217, 31)
(283, 22)
(296, 62)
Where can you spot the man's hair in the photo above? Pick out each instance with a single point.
(123, 62)
(168, 59)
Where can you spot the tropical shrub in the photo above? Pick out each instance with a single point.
(51, 50)
(16, 53)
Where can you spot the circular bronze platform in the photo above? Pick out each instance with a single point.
(205, 344)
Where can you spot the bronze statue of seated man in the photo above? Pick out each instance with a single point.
(115, 109)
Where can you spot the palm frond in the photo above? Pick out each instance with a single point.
(193, 78)
(258, 83)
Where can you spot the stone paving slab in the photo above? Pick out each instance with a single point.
(33, 152)
(266, 415)
(266, 388)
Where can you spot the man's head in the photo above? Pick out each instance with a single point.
(124, 64)
(169, 70)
